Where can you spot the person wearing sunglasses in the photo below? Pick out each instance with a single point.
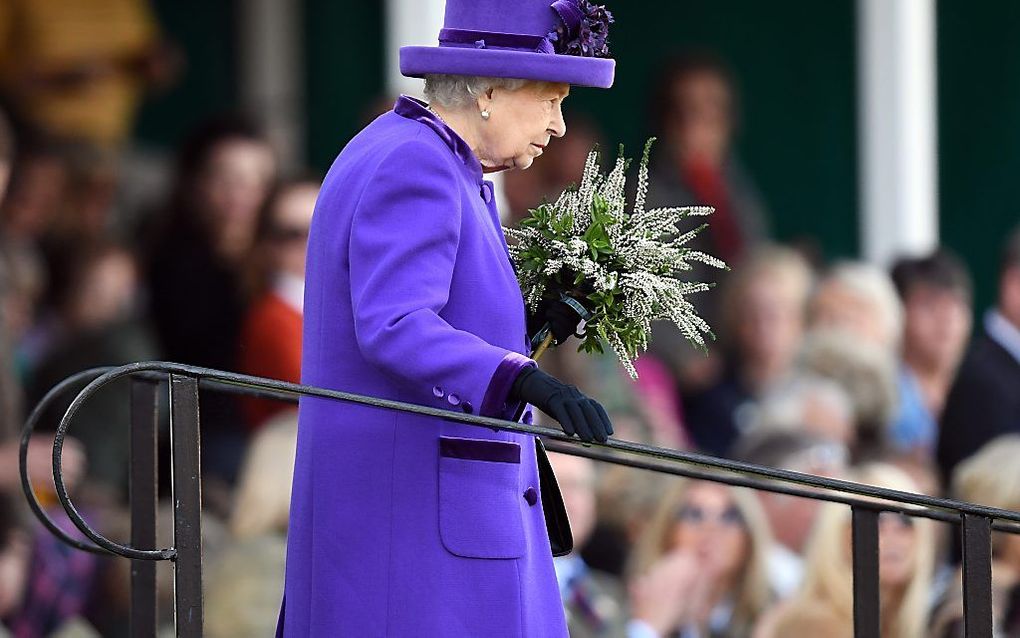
(270, 343)
(698, 570)
(824, 604)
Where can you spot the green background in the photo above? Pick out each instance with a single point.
(794, 61)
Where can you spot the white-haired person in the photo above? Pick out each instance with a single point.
(410, 525)
(858, 299)
(699, 568)
(824, 604)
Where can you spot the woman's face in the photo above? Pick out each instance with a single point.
(771, 322)
(836, 306)
(231, 188)
(292, 218)
(520, 124)
(896, 556)
(897, 540)
(936, 326)
(710, 525)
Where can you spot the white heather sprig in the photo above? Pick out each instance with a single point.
(624, 266)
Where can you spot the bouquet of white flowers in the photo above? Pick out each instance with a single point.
(624, 267)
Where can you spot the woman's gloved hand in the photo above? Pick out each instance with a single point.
(561, 316)
(576, 413)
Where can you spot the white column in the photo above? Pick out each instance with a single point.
(272, 72)
(409, 22)
(897, 128)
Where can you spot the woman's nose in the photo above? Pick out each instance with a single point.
(557, 126)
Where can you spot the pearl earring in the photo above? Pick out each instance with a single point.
(485, 114)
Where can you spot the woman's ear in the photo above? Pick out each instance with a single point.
(485, 102)
(485, 99)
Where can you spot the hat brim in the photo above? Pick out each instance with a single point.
(418, 61)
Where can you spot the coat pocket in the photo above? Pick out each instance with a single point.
(479, 503)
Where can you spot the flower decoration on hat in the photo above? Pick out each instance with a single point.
(584, 29)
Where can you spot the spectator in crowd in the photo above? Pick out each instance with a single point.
(990, 477)
(790, 517)
(98, 323)
(271, 333)
(936, 295)
(860, 300)
(807, 404)
(693, 112)
(700, 566)
(627, 500)
(855, 322)
(19, 289)
(593, 600)
(984, 402)
(197, 266)
(45, 585)
(78, 70)
(7, 147)
(10, 394)
(824, 604)
(762, 325)
(34, 198)
(245, 579)
(866, 373)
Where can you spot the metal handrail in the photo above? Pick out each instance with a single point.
(866, 501)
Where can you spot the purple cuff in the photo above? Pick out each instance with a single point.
(494, 402)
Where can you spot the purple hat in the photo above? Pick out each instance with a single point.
(560, 41)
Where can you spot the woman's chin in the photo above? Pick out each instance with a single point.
(523, 162)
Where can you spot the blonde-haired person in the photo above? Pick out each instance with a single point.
(244, 582)
(762, 325)
(991, 477)
(824, 604)
(698, 570)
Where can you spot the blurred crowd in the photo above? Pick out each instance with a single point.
(835, 368)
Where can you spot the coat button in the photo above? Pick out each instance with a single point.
(453, 399)
(531, 495)
(467, 407)
(438, 392)
(486, 192)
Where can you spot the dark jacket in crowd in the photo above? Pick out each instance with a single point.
(983, 403)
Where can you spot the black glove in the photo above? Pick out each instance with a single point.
(576, 413)
(561, 317)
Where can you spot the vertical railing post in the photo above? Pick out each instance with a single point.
(977, 576)
(867, 603)
(144, 476)
(186, 484)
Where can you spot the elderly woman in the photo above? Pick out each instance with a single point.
(404, 525)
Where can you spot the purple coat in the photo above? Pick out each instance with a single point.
(403, 525)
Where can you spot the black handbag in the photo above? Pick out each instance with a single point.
(558, 527)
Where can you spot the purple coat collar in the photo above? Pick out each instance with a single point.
(414, 109)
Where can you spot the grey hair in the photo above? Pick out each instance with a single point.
(460, 91)
(872, 285)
